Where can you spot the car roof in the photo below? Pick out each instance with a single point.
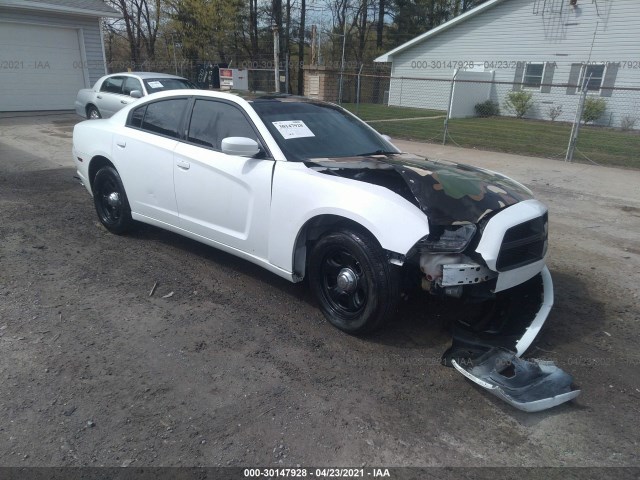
(146, 75)
(250, 97)
(259, 97)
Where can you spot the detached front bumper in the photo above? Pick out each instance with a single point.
(488, 353)
(530, 386)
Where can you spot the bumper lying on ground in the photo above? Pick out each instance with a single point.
(489, 357)
(530, 386)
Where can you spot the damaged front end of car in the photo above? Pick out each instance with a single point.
(513, 295)
(486, 246)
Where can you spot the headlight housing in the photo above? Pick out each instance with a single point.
(448, 239)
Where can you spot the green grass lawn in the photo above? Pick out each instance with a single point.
(371, 111)
(605, 146)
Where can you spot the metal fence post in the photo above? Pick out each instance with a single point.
(358, 90)
(446, 118)
(286, 73)
(276, 58)
(575, 129)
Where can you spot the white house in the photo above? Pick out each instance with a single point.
(49, 49)
(547, 47)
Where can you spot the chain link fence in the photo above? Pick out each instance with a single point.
(563, 121)
(575, 122)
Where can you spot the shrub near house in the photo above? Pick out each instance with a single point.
(594, 108)
(519, 103)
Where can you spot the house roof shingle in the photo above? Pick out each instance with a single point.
(81, 7)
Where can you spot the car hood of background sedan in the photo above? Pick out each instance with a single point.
(448, 193)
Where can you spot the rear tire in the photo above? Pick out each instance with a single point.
(111, 201)
(93, 113)
(351, 277)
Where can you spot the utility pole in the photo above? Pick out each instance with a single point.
(276, 57)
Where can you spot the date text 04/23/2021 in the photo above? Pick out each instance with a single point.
(317, 472)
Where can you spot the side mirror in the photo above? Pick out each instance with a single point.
(387, 138)
(240, 146)
(136, 94)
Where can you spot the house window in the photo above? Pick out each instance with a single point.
(532, 77)
(593, 75)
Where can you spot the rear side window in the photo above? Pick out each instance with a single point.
(213, 121)
(161, 117)
(112, 85)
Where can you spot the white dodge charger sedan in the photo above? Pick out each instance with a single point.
(305, 189)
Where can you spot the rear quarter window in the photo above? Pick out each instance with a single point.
(136, 117)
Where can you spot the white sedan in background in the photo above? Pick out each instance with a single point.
(113, 92)
(307, 190)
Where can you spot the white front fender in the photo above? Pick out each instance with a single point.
(301, 194)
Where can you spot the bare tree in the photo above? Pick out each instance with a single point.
(303, 11)
(380, 23)
(253, 27)
(141, 20)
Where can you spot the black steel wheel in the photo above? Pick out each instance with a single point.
(111, 201)
(353, 281)
(93, 113)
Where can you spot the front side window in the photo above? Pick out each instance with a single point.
(131, 84)
(112, 85)
(532, 77)
(213, 121)
(306, 130)
(592, 77)
(161, 117)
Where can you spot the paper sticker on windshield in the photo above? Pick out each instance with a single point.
(155, 84)
(293, 129)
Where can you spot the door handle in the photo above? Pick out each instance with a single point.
(121, 143)
(99, 97)
(183, 165)
(123, 102)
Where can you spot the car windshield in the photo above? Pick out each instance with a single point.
(154, 85)
(306, 130)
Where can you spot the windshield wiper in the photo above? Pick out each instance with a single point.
(377, 152)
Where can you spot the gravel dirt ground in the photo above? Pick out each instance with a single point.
(226, 364)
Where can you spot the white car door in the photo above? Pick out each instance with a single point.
(109, 96)
(225, 198)
(143, 154)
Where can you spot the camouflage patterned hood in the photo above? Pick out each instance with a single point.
(449, 193)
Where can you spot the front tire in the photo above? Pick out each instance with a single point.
(111, 201)
(351, 277)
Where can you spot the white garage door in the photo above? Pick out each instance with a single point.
(40, 67)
